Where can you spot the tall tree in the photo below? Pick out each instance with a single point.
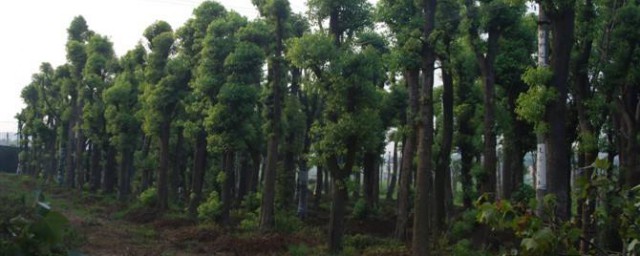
(403, 18)
(167, 79)
(276, 12)
(561, 16)
(421, 234)
(122, 104)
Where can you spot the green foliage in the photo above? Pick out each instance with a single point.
(287, 222)
(531, 106)
(149, 197)
(360, 210)
(537, 236)
(32, 230)
(361, 244)
(211, 208)
(250, 222)
(252, 201)
(299, 250)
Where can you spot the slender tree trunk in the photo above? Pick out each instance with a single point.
(558, 166)
(303, 190)
(228, 186)
(162, 185)
(287, 177)
(70, 163)
(124, 181)
(267, 220)
(442, 173)
(176, 168)
(256, 158)
(340, 196)
(402, 220)
(80, 148)
(394, 174)
(319, 185)
(96, 170)
(110, 170)
(588, 148)
(199, 167)
(421, 242)
(369, 173)
(541, 153)
(146, 172)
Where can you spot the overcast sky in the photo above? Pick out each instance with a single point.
(34, 31)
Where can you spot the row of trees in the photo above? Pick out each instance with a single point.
(194, 110)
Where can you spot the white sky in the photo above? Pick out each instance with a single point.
(34, 31)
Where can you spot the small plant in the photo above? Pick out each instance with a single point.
(287, 223)
(359, 210)
(250, 222)
(299, 250)
(148, 197)
(211, 208)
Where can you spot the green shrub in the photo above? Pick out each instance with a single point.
(32, 230)
(299, 250)
(359, 210)
(250, 222)
(211, 208)
(148, 197)
(251, 202)
(287, 222)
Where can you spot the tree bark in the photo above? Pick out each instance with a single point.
(228, 186)
(421, 241)
(267, 220)
(443, 191)
(394, 175)
(402, 220)
(369, 173)
(163, 170)
(110, 171)
(96, 170)
(199, 167)
(558, 167)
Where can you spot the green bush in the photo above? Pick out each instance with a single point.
(250, 222)
(148, 197)
(287, 222)
(251, 202)
(211, 208)
(299, 250)
(359, 210)
(32, 230)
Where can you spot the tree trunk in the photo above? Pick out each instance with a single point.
(110, 170)
(267, 220)
(370, 173)
(228, 185)
(199, 167)
(558, 167)
(69, 160)
(319, 185)
(124, 181)
(80, 148)
(163, 170)
(303, 190)
(96, 170)
(421, 242)
(541, 151)
(394, 174)
(402, 220)
(340, 196)
(443, 192)
(588, 145)
(146, 172)
(176, 168)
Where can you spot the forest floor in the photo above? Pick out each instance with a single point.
(103, 226)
